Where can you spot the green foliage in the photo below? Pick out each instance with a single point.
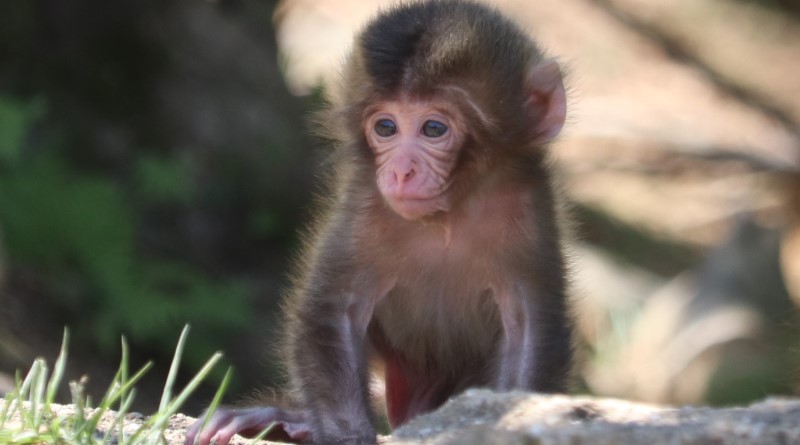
(15, 119)
(26, 416)
(162, 180)
(78, 231)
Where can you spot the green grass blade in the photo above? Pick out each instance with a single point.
(37, 399)
(119, 421)
(113, 394)
(15, 400)
(263, 433)
(24, 437)
(201, 375)
(31, 399)
(10, 400)
(78, 399)
(123, 367)
(166, 396)
(58, 369)
(217, 399)
(26, 415)
(156, 423)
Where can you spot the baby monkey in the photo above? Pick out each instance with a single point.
(437, 258)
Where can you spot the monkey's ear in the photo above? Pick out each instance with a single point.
(546, 104)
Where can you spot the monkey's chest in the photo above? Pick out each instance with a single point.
(441, 307)
(441, 310)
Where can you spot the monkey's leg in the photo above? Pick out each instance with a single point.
(290, 425)
(398, 392)
(411, 391)
(536, 350)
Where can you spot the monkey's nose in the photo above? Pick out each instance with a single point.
(404, 175)
(403, 169)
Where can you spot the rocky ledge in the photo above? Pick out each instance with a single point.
(484, 417)
(481, 417)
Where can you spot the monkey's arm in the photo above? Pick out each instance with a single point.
(327, 358)
(328, 313)
(536, 350)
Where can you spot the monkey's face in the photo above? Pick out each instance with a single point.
(416, 145)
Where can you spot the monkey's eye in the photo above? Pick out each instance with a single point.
(385, 128)
(434, 129)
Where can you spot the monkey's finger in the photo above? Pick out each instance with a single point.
(286, 424)
(222, 417)
(224, 424)
(192, 431)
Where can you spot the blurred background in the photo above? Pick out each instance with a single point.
(155, 166)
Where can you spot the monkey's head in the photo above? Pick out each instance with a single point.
(439, 102)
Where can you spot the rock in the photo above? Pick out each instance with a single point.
(484, 417)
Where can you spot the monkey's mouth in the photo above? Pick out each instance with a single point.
(414, 208)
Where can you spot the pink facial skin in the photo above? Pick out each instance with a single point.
(415, 145)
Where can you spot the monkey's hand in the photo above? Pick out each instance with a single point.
(289, 425)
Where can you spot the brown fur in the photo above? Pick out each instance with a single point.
(472, 296)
